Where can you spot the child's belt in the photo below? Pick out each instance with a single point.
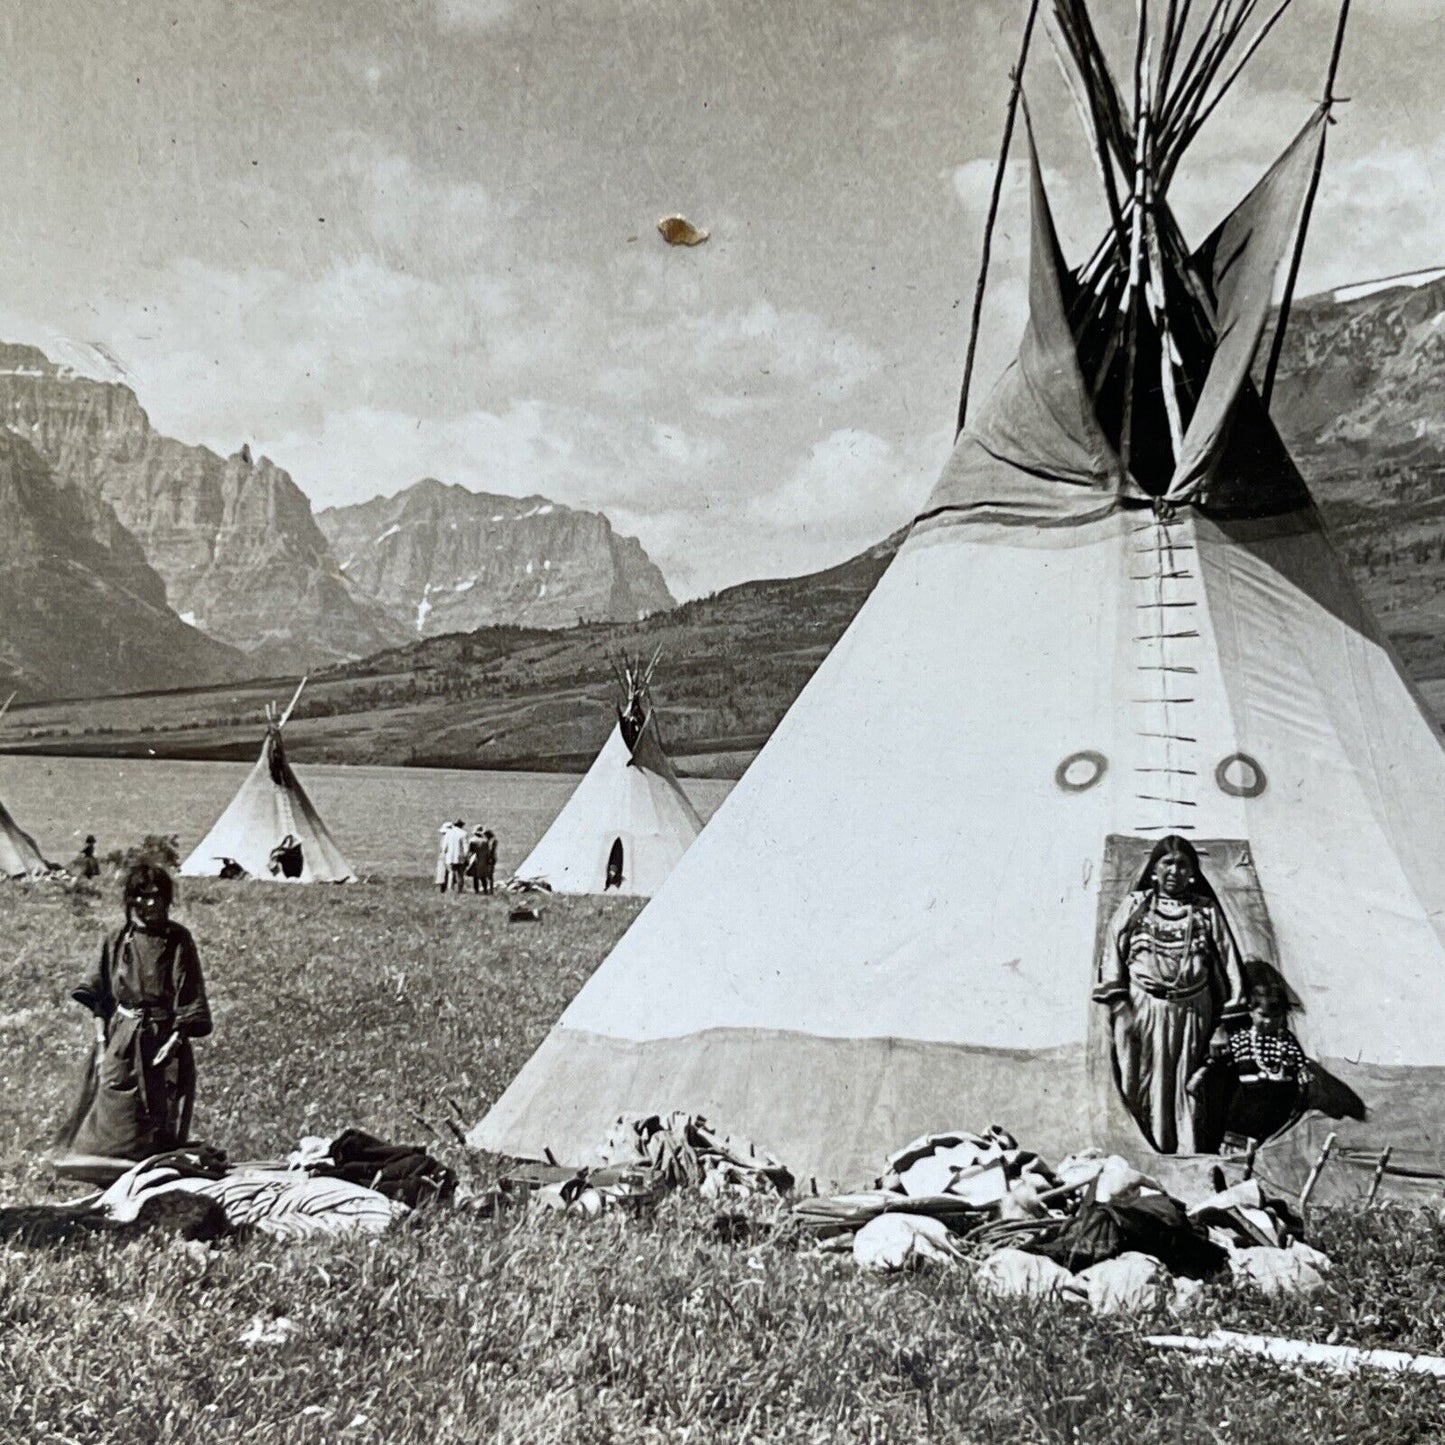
(145, 1014)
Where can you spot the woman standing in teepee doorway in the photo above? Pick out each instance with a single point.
(1169, 973)
(149, 1002)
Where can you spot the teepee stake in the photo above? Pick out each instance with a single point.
(1380, 1168)
(1314, 1173)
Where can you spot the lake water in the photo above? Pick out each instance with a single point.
(384, 820)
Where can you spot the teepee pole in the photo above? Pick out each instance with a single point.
(1260, 36)
(1327, 101)
(296, 697)
(1136, 239)
(1010, 116)
(1089, 123)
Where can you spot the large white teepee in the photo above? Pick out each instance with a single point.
(270, 806)
(899, 921)
(628, 816)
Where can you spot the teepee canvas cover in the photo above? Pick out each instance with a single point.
(629, 807)
(893, 924)
(19, 857)
(270, 805)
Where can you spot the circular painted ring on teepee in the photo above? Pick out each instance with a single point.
(1080, 771)
(1240, 776)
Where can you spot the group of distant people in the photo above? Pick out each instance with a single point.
(464, 856)
(286, 860)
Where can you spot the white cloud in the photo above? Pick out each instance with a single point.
(473, 14)
(973, 183)
(848, 474)
(750, 354)
(675, 447)
(907, 54)
(1371, 203)
(727, 408)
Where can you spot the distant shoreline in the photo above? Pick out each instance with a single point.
(716, 762)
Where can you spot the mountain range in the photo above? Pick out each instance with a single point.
(450, 560)
(1358, 400)
(1360, 372)
(83, 610)
(231, 548)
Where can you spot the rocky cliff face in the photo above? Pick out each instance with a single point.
(1358, 400)
(1362, 367)
(233, 539)
(444, 559)
(82, 613)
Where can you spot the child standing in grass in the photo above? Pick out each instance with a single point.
(149, 1002)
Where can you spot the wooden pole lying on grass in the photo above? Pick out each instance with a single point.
(1306, 211)
(1299, 1352)
(1011, 115)
(1314, 1174)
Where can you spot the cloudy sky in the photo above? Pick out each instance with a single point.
(385, 239)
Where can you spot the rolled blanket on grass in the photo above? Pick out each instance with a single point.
(272, 1198)
(402, 1172)
(283, 1203)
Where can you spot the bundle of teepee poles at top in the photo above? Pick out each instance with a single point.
(277, 719)
(1141, 277)
(634, 677)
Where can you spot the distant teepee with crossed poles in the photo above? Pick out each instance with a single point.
(270, 807)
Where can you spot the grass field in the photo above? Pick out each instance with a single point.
(390, 1007)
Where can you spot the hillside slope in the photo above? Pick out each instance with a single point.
(1361, 378)
(1355, 401)
(506, 697)
(232, 538)
(82, 612)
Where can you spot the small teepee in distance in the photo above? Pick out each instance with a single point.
(270, 808)
(1117, 620)
(629, 821)
(19, 856)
